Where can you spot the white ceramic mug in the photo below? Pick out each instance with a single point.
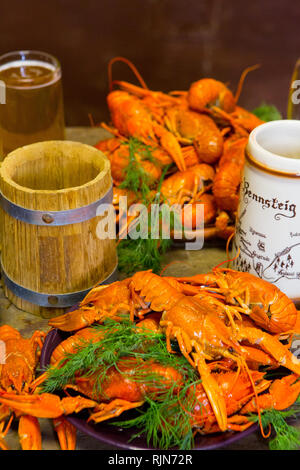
(268, 220)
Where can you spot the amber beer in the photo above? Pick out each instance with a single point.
(33, 109)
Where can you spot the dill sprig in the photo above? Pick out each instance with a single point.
(116, 341)
(64, 372)
(286, 436)
(164, 419)
(136, 179)
(146, 253)
(142, 254)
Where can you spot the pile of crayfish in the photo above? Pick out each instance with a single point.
(200, 135)
(17, 377)
(219, 333)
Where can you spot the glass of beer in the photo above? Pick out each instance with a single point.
(31, 109)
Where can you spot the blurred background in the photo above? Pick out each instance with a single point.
(172, 43)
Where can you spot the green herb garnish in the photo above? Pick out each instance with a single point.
(165, 422)
(146, 253)
(267, 112)
(116, 341)
(142, 254)
(136, 179)
(286, 437)
(163, 419)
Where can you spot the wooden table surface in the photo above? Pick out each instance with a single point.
(187, 263)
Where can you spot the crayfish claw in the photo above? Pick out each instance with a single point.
(113, 409)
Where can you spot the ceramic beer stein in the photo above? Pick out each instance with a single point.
(268, 220)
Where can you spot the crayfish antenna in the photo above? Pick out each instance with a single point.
(227, 246)
(257, 402)
(130, 65)
(228, 260)
(242, 79)
(91, 120)
(171, 264)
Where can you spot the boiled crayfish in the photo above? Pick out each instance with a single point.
(121, 390)
(201, 126)
(17, 377)
(206, 328)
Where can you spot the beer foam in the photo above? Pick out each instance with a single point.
(41, 68)
(27, 63)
